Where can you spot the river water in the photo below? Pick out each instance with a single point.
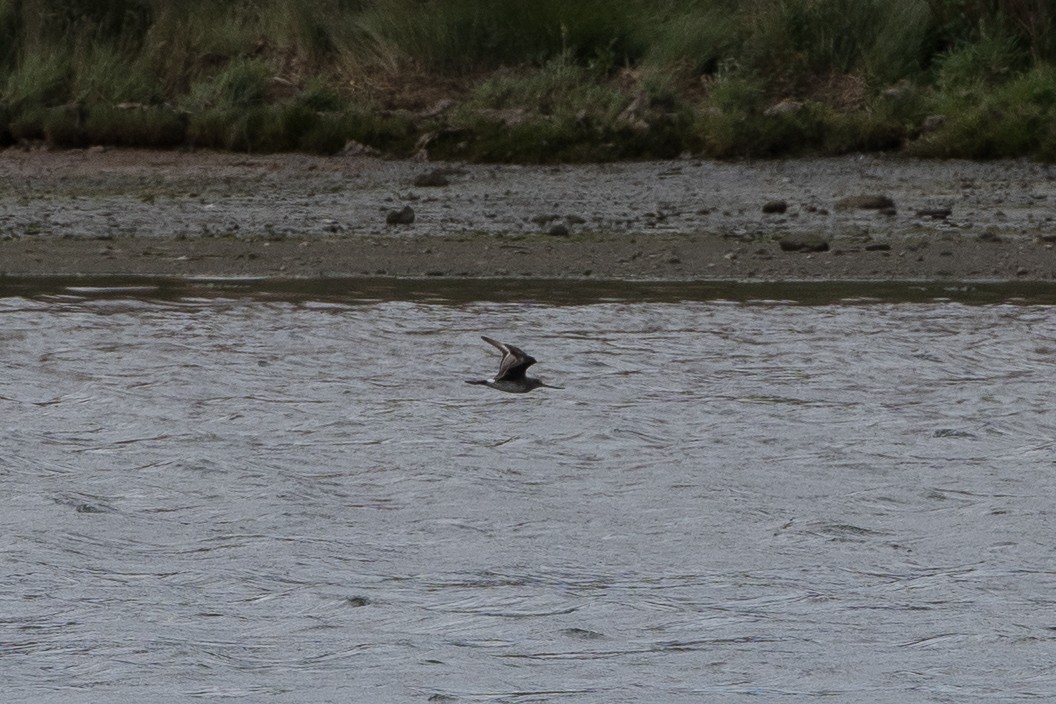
(281, 496)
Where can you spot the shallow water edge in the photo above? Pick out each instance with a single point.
(543, 291)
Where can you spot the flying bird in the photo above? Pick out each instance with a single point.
(511, 377)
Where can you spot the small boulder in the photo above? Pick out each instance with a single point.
(354, 148)
(558, 229)
(403, 216)
(865, 202)
(775, 206)
(785, 107)
(438, 108)
(934, 213)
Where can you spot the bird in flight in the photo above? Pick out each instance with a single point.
(512, 377)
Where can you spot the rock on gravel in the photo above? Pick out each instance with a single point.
(208, 213)
(775, 206)
(934, 213)
(403, 216)
(865, 202)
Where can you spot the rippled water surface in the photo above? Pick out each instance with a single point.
(297, 499)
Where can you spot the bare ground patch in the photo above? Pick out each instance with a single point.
(204, 213)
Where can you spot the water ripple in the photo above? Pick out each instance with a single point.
(260, 499)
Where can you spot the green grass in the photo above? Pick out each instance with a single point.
(1015, 119)
(560, 88)
(692, 38)
(465, 34)
(544, 81)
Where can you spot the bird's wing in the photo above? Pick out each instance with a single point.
(495, 343)
(514, 361)
(514, 364)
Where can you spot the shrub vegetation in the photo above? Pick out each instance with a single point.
(547, 80)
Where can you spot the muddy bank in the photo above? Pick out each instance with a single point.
(176, 213)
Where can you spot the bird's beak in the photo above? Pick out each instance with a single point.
(551, 387)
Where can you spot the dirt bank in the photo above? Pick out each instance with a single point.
(176, 213)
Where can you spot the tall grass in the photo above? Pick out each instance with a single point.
(691, 38)
(463, 34)
(1017, 118)
(794, 40)
(545, 80)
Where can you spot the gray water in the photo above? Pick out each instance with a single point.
(276, 498)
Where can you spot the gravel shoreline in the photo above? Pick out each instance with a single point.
(177, 214)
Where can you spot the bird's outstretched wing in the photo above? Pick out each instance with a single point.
(515, 361)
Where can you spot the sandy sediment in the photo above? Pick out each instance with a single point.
(214, 214)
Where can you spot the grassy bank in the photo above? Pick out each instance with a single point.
(548, 80)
